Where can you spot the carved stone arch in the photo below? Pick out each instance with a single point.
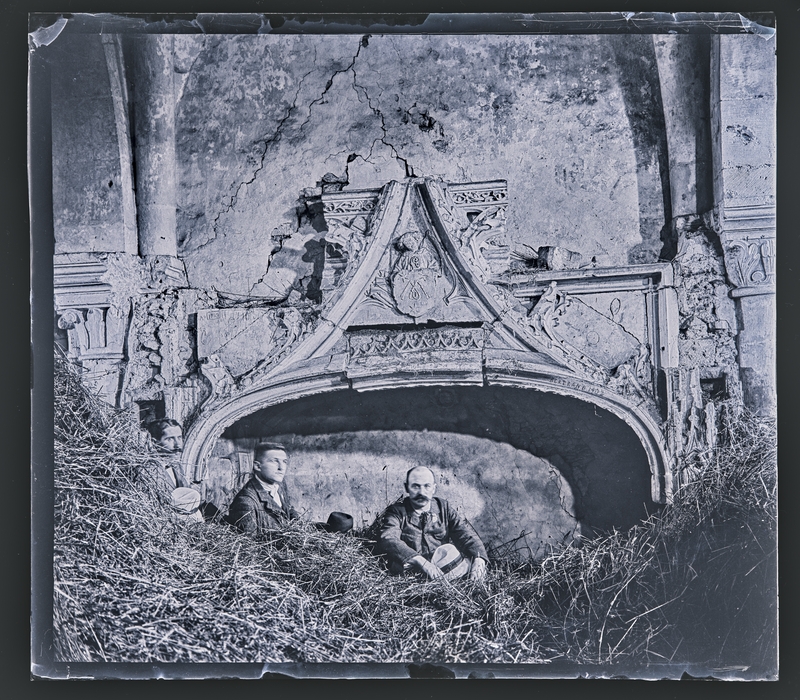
(479, 326)
(329, 374)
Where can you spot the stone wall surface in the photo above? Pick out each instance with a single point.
(604, 153)
(261, 118)
(87, 192)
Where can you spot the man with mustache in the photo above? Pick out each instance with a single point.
(422, 529)
(186, 500)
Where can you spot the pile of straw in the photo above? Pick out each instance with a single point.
(135, 583)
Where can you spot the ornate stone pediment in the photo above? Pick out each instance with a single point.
(418, 288)
(420, 261)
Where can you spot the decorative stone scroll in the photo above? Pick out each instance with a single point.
(583, 336)
(483, 238)
(222, 383)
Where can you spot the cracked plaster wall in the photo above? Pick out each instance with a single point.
(87, 191)
(261, 118)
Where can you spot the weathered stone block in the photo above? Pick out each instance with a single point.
(747, 67)
(241, 338)
(588, 331)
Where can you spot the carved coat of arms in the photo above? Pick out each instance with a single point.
(416, 276)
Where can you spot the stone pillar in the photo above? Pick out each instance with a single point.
(683, 70)
(112, 46)
(743, 90)
(154, 117)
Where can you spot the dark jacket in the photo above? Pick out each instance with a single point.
(401, 536)
(255, 512)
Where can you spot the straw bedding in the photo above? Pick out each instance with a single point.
(135, 583)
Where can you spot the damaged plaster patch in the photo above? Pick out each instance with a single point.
(707, 313)
(741, 133)
(265, 146)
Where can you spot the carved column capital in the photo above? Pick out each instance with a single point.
(747, 235)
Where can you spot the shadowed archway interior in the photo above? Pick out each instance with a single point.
(596, 453)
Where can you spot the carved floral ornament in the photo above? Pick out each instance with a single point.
(348, 206)
(366, 344)
(95, 333)
(751, 265)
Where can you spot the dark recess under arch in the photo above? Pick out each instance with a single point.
(599, 455)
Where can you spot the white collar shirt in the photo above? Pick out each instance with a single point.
(273, 490)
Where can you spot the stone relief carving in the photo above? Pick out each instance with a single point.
(291, 327)
(584, 339)
(72, 321)
(222, 383)
(481, 231)
(634, 377)
(594, 346)
(369, 343)
(95, 339)
(487, 242)
(416, 279)
(488, 232)
(348, 218)
(347, 204)
(751, 263)
(692, 426)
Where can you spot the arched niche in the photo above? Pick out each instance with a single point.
(555, 466)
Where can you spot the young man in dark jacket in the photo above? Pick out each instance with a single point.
(263, 504)
(412, 530)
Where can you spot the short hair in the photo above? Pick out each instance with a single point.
(158, 427)
(408, 473)
(263, 447)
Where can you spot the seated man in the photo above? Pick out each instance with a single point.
(262, 504)
(412, 530)
(168, 436)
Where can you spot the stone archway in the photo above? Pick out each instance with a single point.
(417, 293)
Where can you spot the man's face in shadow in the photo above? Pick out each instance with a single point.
(421, 486)
(171, 439)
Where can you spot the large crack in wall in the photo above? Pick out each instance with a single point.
(540, 113)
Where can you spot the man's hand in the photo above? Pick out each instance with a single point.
(431, 570)
(478, 570)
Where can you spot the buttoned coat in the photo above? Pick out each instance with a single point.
(403, 535)
(255, 512)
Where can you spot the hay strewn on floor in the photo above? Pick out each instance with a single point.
(133, 582)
